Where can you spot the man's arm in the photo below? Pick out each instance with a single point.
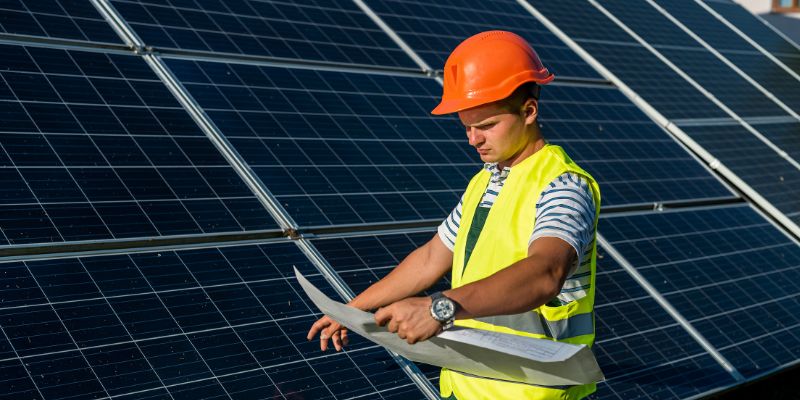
(418, 271)
(522, 286)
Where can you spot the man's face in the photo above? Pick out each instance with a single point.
(498, 131)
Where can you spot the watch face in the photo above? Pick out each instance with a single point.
(444, 308)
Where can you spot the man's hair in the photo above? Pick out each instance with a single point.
(521, 94)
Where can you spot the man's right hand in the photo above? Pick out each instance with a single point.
(328, 329)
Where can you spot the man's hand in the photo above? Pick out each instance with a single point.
(410, 318)
(329, 330)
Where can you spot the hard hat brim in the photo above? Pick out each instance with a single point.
(451, 106)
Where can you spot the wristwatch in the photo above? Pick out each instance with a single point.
(443, 309)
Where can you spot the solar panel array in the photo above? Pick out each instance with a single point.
(167, 144)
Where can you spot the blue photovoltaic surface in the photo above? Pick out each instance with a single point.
(700, 64)
(337, 148)
(434, 29)
(755, 29)
(329, 30)
(772, 77)
(61, 19)
(94, 146)
(209, 323)
(754, 162)
(733, 47)
(659, 85)
(729, 271)
(632, 158)
(643, 352)
(784, 135)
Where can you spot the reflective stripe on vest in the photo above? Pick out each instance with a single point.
(535, 323)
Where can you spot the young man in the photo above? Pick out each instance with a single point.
(520, 246)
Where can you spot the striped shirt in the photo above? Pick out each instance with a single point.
(565, 210)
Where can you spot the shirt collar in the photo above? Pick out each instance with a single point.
(496, 172)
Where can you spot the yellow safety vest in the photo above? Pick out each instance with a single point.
(502, 242)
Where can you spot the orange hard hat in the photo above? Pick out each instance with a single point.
(488, 67)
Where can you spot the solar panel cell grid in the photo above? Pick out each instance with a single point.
(783, 135)
(730, 272)
(659, 85)
(754, 28)
(95, 147)
(230, 321)
(704, 24)
(336, 31)
(61, 19)
(433, 30)
(602, 130)
(759, 166)
(771, 76)
(700, 64)
(337, 148)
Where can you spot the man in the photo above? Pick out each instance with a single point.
(520, 246)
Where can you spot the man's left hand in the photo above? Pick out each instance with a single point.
(410, 318)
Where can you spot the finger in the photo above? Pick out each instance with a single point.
(381, 316)
(345, 338)
(324, 337)
(392, 326)
(337, 341)
(316, 327)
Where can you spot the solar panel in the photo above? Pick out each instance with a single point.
(434, 29)
(635, 161)
(689, 55)
(733, 47)
(728, 270)
(215, 322)
(659, 85)
(755, 29)
(643, 352)
(336, 31)
(784, 135)
(58, 19)
(771, 76)
(94, 146)
(337, 148)
(705, 25)
(366, 150)
(759, 166)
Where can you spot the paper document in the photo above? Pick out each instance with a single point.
(473, 351)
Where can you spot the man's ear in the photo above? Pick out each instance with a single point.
(530, 109)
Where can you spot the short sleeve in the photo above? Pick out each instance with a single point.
(449, 227)
(566, 210)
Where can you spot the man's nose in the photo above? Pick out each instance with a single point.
(474, 136)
